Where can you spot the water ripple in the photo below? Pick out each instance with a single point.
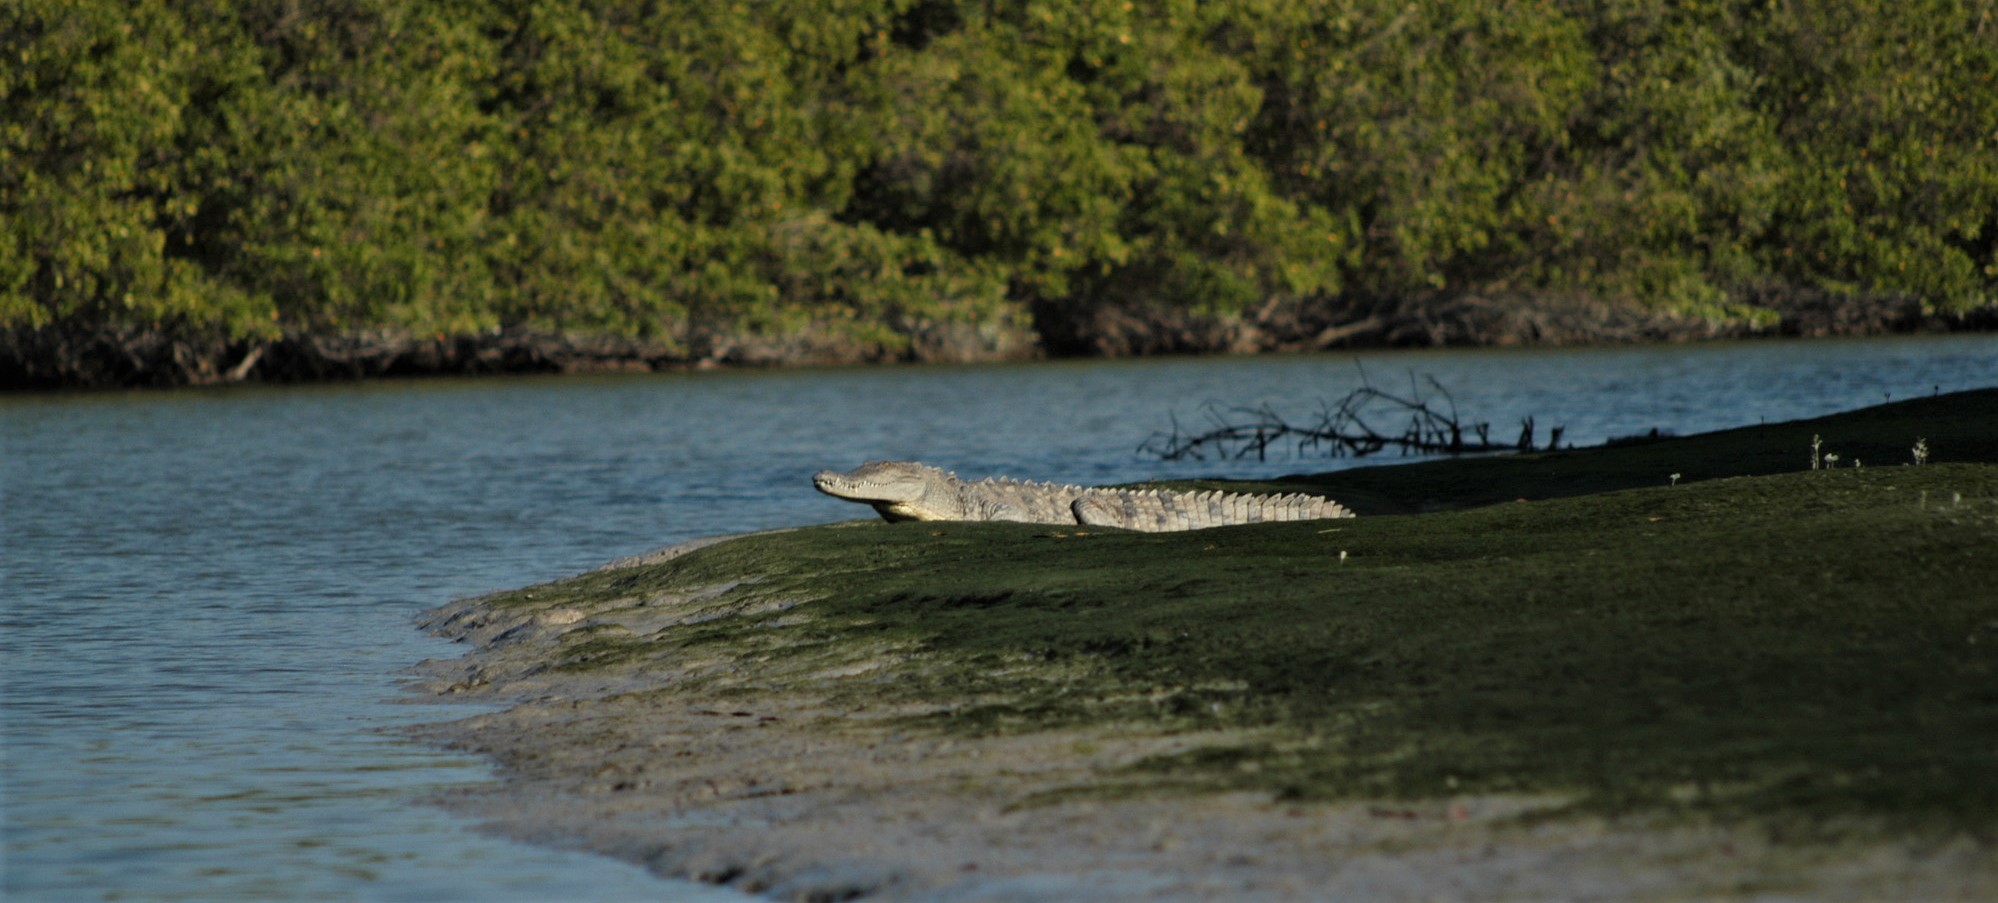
(209, 593)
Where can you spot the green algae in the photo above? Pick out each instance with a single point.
(1797, 646)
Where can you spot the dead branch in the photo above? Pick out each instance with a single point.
(1353, 426)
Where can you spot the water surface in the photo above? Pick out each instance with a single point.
(209, 594)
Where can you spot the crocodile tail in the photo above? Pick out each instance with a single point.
(1153, 511)
(1131, 510)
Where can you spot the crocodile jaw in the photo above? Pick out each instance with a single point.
(894, 489)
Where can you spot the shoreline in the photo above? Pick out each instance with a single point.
(792, 796)
(1008, 712)
(87, 357)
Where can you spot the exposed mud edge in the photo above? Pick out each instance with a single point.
(658, 556)
(753, 773)
(512, 645)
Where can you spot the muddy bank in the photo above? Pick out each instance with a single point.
(1581, 681)
(799, 793)
(78, 356)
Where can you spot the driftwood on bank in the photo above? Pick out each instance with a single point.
(1360, 424)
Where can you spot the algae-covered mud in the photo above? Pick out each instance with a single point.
(1689, 668)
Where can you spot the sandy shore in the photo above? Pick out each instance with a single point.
(764, 775)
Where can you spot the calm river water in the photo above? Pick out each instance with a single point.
(208, 594)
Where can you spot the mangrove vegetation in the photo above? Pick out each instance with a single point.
(218, 189)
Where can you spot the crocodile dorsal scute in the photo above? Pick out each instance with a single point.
(1155, 511)
(904, 490)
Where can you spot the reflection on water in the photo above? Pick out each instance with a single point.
(208, 593)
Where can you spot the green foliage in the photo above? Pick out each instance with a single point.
(1423, 130)
(345, 185)
(91, 93)
(696, 172)
(1893, 135)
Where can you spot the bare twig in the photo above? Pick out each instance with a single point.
(1346, 428)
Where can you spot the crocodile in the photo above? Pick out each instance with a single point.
(905, 491)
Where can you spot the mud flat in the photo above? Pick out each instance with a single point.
(1683, 669)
